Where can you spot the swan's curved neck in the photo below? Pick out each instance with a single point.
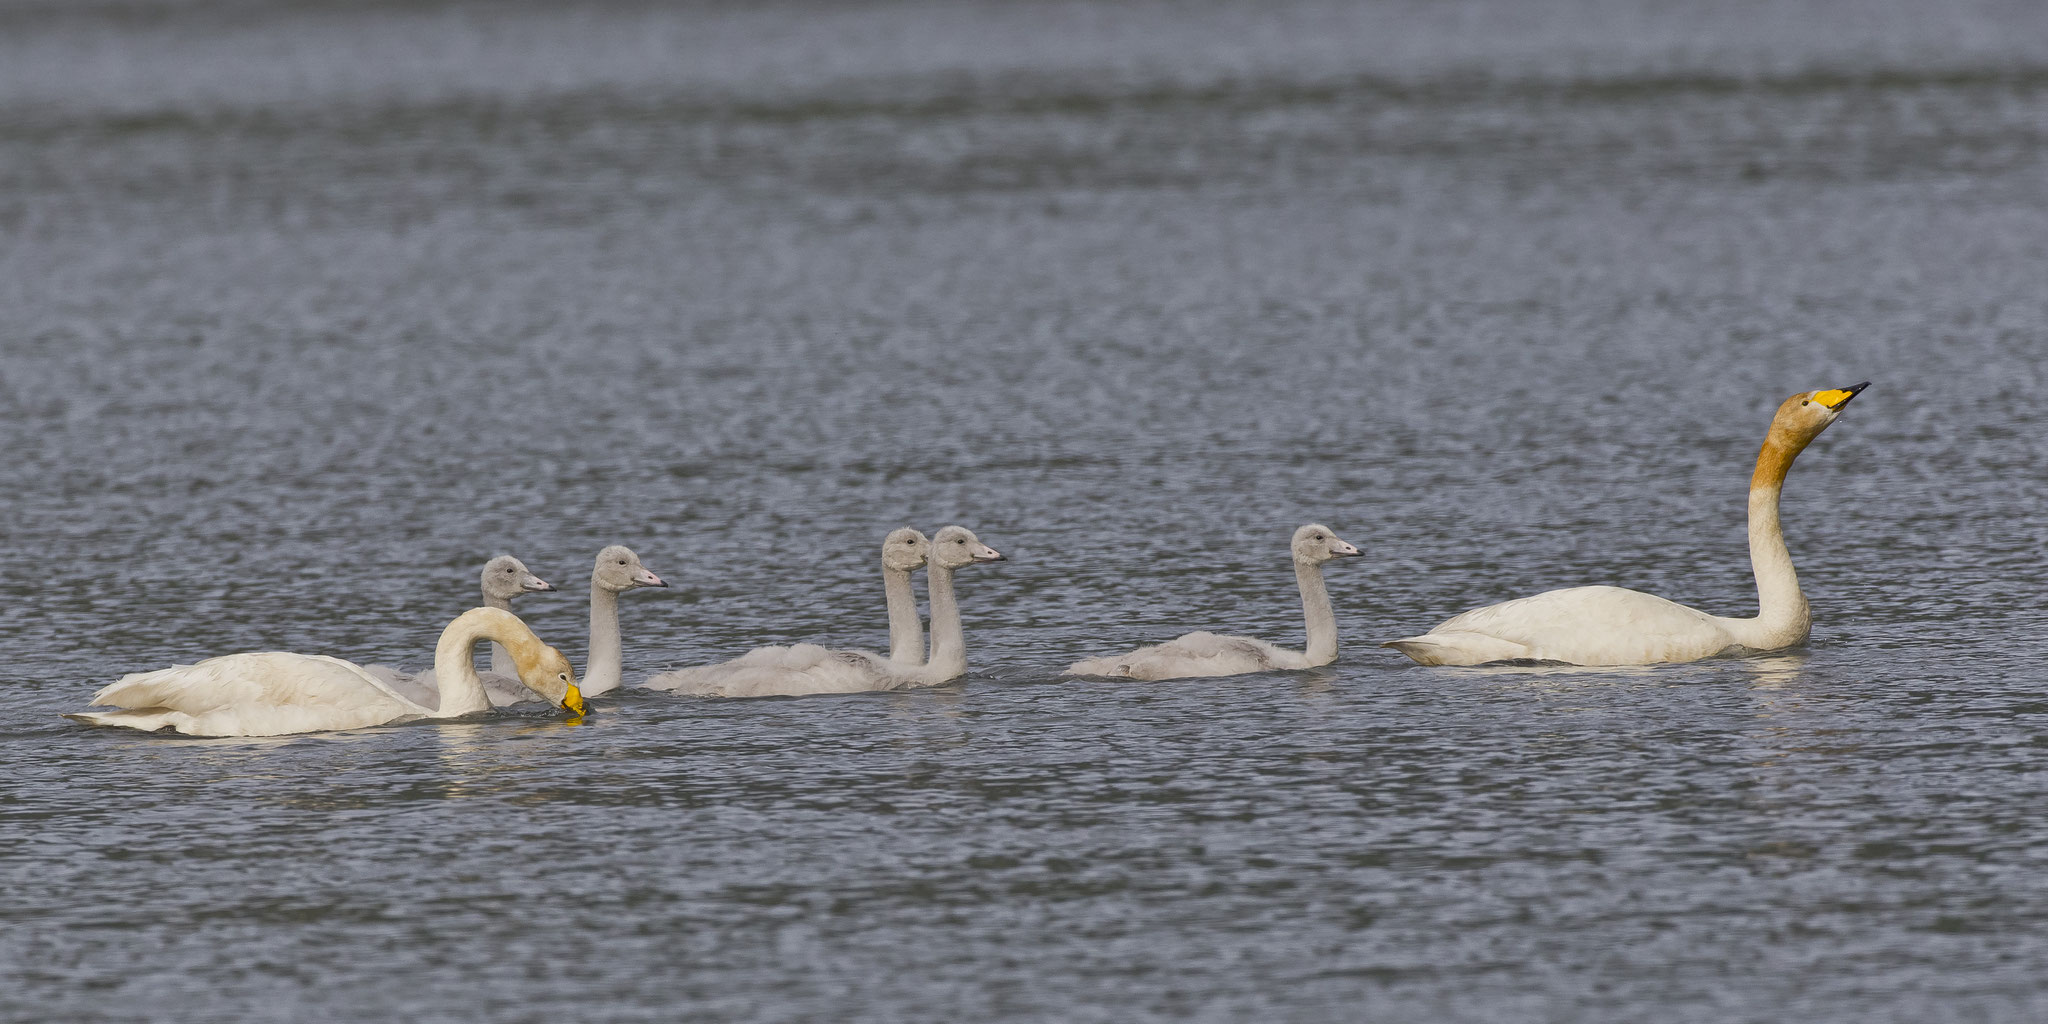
(1315, 608)
(1783, 617)
(501, 659)
(906, 634)
(603, 670)
(462, 693)
(949, 647)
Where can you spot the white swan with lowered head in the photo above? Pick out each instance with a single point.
(1206, 654)
(1614, 626)
(805, 669)
(277, 694)
(616, 571)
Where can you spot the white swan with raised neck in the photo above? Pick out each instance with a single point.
(1207, 654)
(1602, 625)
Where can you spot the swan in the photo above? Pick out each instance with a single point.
(278, 694)
(808, 668)
(616, 571)
(1614, 626)
(1206, 654)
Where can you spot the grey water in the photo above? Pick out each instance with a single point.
(306, 309)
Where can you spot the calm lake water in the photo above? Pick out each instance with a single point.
(308, 309)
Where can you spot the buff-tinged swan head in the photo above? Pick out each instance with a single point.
(1316, 544)
(956, 546)
(618, 569)
(505, 578)
(545, 670)
(1803, 416)
(905, 550)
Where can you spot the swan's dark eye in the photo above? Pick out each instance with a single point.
(622, 561)
(1804, 402)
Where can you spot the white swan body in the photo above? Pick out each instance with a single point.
(805, 669)
(1615, 626)
(503, 579)
(1207, 654)
(616, 571)
(277, 694)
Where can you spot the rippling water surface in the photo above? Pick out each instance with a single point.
(306, 310)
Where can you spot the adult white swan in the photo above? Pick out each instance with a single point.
(1614, 626)
(616, 571)
(1206, 654)
(277, 694)
(808, 668)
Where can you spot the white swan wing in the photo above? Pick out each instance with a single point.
(1193, 655)
(261, 694)
(794, 671)
(1579, 625)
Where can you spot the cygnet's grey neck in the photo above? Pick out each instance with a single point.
(602, 672)
(501, 659)
(1315, 608)
(949, 647)
(906, 633)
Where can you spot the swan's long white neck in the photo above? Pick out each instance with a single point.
(1315, 608)
(949, 646)
(603, 670)
(1783, 617)
(462, 693)
(906, 634)
(501, 659)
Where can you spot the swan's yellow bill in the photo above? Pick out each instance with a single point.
(573, 700)
(1834, 399)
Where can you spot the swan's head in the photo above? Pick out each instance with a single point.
(618, 569)
(1803, 416)
(548, 674)
(956, 546)
(505, 578)
(905, 550)
(1316, 544)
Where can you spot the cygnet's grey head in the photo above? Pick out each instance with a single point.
(1316, 544)
(618, 569)
(956, 546)
(905, 550)
(505, 578)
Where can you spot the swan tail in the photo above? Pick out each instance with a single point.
(192, 689)
(1458, 648)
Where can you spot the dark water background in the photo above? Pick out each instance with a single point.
(307, 309)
